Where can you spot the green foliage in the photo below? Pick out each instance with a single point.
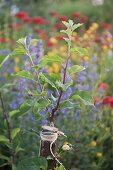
(33, 163)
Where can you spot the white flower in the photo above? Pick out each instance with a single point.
(66, 147)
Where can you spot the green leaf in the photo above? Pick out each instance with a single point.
(40, 104)
(3, 59)
(43, 79)
(75, 69)
(61, 167)
(3, 139)
(32, 163)
(14, 112)
(18, 149)
(23, 73)
(21, 41)
(81, 51)
(75, 26)
(19, 51)
(48, 59)
(4, 157)
(64, 86)
(65, 23)
(25, 107)
(67, 104)
(84, 96)
(14, 132)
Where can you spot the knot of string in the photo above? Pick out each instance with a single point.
(51, 134)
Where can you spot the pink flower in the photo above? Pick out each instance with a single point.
(102, 85)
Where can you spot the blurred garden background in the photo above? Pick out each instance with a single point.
(88, 124)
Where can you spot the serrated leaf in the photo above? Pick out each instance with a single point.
(3, 139)
(14, 132)
(84, 96)
(48, 59)
(75, 69)
(81, 51)
(43, 79)
(23, 73)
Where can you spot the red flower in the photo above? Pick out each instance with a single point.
(60, 37)
(106, 26)
(107, 100)
(62, 18)
(53, 13)
(57, 25)
(75, 14)
(21, 14)
(2, 39)
(39, 20)
(83, 19)
(102, 85)
(98, 39)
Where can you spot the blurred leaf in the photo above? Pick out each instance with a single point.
(21, 41)
(75, 26)
(75, 69)
(3, 59)
(14, 132)
(23, 73)
(32, 163)
(48, 59)
(64, 86)
(84, 96)
(66, 104)
(81, 51)
(19, 51)
(24, 107)
(3, 139)
(18, 149)
(13, 112)
(61, 167)
(4, 157)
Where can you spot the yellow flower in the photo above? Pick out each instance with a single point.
(53, 40)
(56, 67)
(104, 47)
(50, 69)
(99, 154)
(95, 25)
(86, 58)
(66, 143)
(17, 59)
(16, 69)
(93, 143)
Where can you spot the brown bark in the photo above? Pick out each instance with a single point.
(45, 152)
